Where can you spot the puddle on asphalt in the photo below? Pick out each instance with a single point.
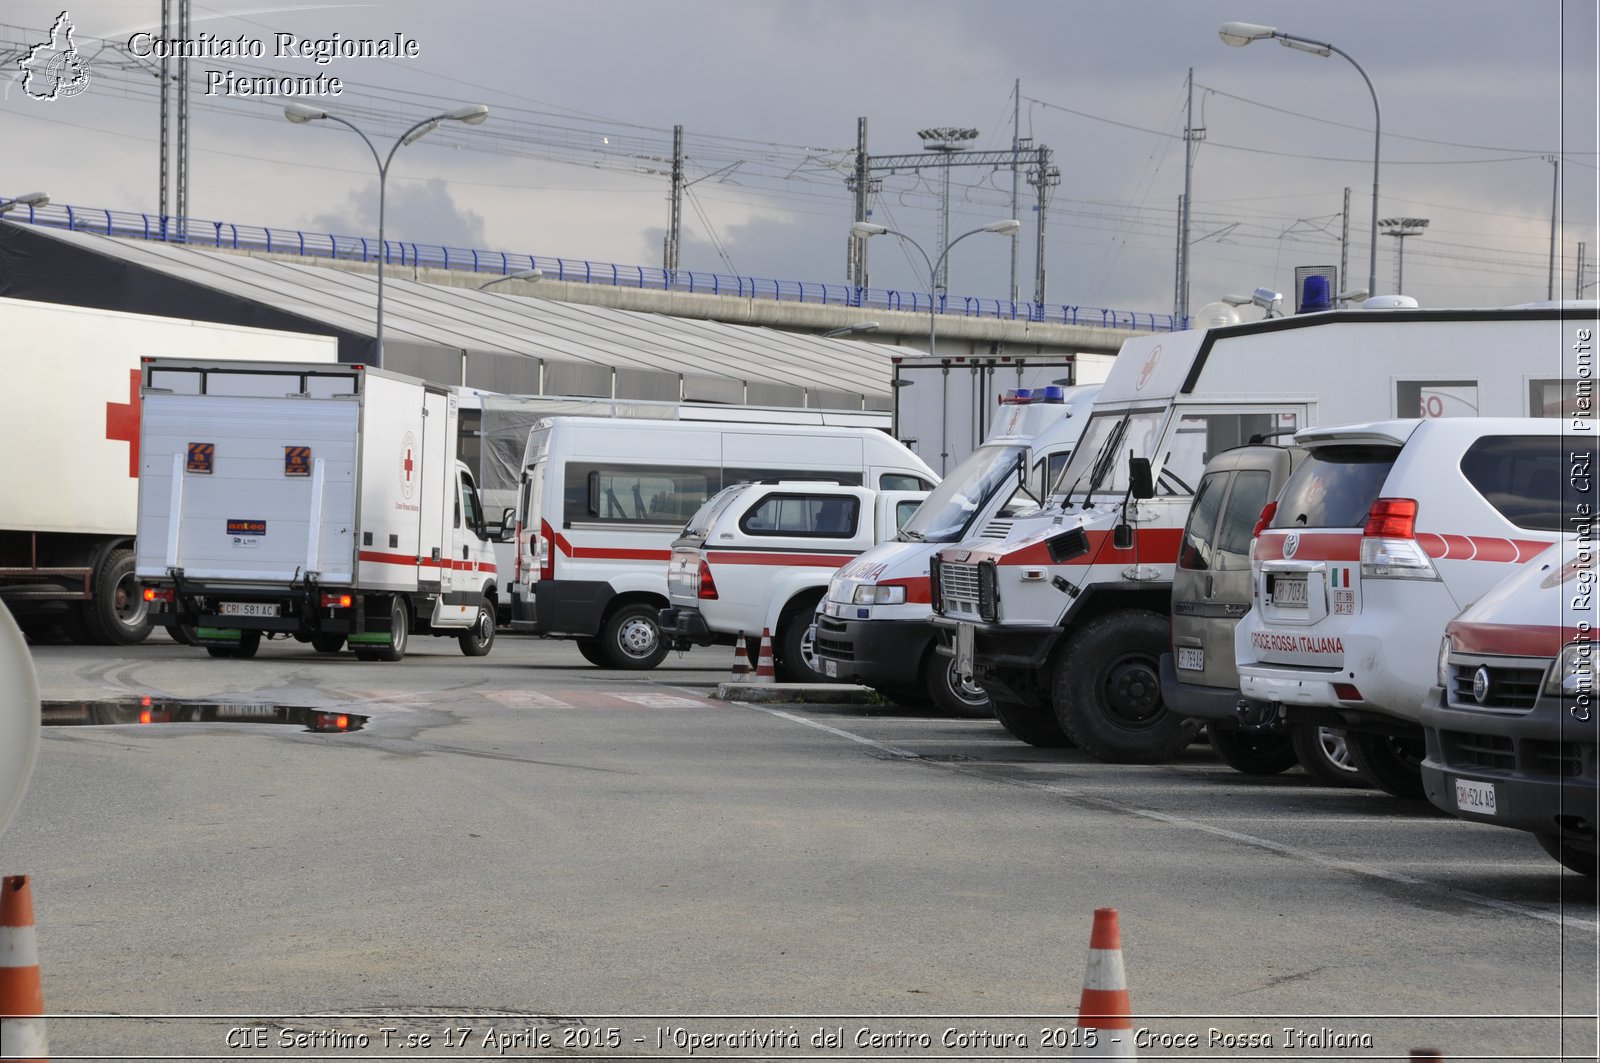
(141, 711)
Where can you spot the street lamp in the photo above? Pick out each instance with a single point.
(27, 199)
(1239, 34)
(520, 275)
(849, 330)
(867, 229)
(473, 114)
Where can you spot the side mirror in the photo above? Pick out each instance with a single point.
(508, 526)
(1140, 483)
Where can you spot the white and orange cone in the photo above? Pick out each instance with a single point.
(22, 1034)
(1105, 1011)
(764, 669)
(741, 662)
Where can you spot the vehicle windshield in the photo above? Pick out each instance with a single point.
(1100, 460)
(946, 512)
(708, 513)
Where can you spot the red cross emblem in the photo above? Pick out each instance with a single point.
(1147, 369)
(409, 465)
(122, 422)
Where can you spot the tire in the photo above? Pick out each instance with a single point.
(795, 648)
(182, 634)
(1035, 725)
(590, 648)
(249, 643)
(632, 638)
(327, 643)
(399, 631)
(1324, 753)
(1253, 753)
(1394, 764)
(1107, 690)
(118, 615)
(1570, 855)
(476, 640)
(948, 691)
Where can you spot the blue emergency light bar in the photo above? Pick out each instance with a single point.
(1029, 396)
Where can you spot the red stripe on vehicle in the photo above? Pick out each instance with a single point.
(1314, 546)
(1513, 640)
(411, 561)
(778, 557)
(1156, 546)
(606, 553)
(1450, 547)
(917, 588)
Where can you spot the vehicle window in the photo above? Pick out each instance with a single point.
(622, 494)
(822, 516)
(707, 514)
(1553, 398)
(752, 474)
(1335, 487)
(1526, 478)
(1100, 460)
(1245, 502)
(1436, 398)
(469, 502)
(944, 516)
(899, 481)
(1195, 553)
(1197, 437)
(904, 511)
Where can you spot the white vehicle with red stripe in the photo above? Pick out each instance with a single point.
(603, 498)
(757, 558)
(1063, 617)
(319, 502)
(1385, 532)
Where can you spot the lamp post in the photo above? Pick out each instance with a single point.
(299, 114)
(529, 275)
(866, 229)
(1239, 34)
(27, 199)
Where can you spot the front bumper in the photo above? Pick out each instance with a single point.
(874, 653)
(1542, 764)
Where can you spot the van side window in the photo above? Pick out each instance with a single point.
(468, 501)
(897, 481)
(639, 494)
(1195, 553)
(1526, 479)
(750, 475)
(1243, 509)
(820, 516)
(1553, 398)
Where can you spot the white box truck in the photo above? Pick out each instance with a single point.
(71, 406)
(319, 502)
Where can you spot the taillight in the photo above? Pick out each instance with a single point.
(547, 551)
(1392, 518)
(1268, 511)
(159, 594)
(708, 586)
(336, 601)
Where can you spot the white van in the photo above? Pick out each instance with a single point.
(602, 499)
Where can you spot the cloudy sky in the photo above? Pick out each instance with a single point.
(1477, 97)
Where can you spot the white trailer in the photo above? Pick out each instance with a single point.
(71, 423)
(319, 502)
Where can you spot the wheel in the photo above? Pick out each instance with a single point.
(1325, 755)
(592, 652)
(795, 647)
(182, 634)
(632, 639)
(1393, 763)
(1251, 753)
(1571, 855)
(1107, 691)
(1035, 725)
(249, 642)
(476, 640)
(399, 631)
(327, 643)
(118, 615)
(953, 693)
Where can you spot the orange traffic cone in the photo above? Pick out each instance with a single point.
(741, 662)
(764, 671)
(21, 995)
(1105, 1011)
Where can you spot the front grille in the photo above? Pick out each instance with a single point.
(831, 642)
(959, 583)
(1566, 760)
(1509, 687)
(1483, 751)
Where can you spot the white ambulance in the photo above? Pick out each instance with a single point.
(602, 500)
(319, 502)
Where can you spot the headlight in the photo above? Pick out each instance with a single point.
(871, 594)
(1573, 674)
(988, 592)
(1443, 671)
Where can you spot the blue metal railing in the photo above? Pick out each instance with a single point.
(403, 253)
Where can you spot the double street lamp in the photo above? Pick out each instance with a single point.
(299, 114)
(1239, 34)
(27, 199)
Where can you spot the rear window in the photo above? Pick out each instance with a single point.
(1525, 479)
(1335, 487)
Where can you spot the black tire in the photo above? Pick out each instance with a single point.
(249, 642)
(182, 634)
(1324, 753)
(965, 699)
(1107, 690)
(399, 631)
(1571, 855)
(632, 638)
(593, 652)
(477, 640)
(1393, 763)
(1036, 726)
(327, 643)
(118, 614)
(1253, 753)
(795, 647)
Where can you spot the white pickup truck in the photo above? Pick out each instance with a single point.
(758, 557)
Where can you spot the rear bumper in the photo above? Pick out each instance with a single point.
(1211, 704)
(681, 628)
(1542, 764)
(1308, 696)
(874, 653)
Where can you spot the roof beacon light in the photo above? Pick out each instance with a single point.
(1051, 393)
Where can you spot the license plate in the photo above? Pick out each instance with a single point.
(1477, 797)
(1289, 591)
(831, 669)
(249, 609)
(1191, 658)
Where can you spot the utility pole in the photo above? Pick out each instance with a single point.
(1555, 185)
(860, 182)
(183, 125)
(1577, 288)
(670, 251)
(166, 92)
(1344, 244)
(1191, 136)
(1044, 177)
(1400, 228)
(1016, 174)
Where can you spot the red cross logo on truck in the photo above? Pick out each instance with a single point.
(122, 422)
(1147, 369)
(408, 464)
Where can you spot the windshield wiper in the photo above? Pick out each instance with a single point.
(1102, 461)
(905, 536)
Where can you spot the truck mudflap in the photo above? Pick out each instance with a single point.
(563, 607)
